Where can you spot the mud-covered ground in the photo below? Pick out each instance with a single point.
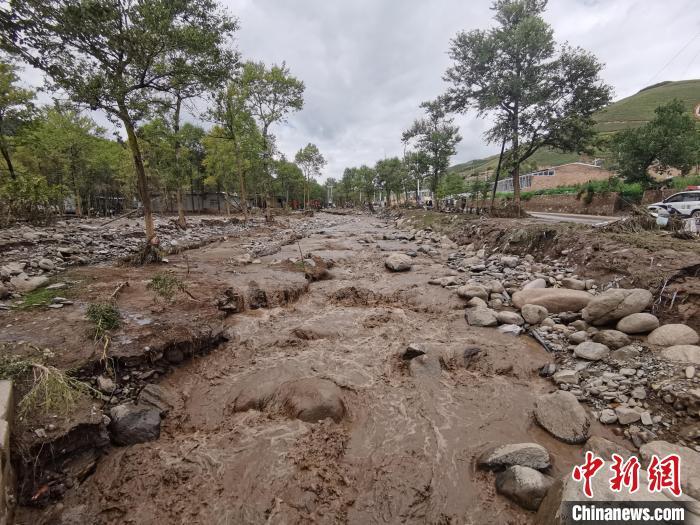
(240, 442)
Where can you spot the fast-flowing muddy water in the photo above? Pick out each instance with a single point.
(241, 443)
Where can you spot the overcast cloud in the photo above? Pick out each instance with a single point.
(368, 64)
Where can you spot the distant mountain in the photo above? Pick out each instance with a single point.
(628, 112)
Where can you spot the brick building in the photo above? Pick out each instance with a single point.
(565, 175)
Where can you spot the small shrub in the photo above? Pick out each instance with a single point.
(104, 317)
(51, 390)
(166, 285)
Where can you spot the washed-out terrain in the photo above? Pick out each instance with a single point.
(350, 368)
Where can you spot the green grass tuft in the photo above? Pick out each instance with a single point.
(104, 317)
(39, 297)
(166, 285)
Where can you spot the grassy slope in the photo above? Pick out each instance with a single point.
(628, 112)
(639, 108)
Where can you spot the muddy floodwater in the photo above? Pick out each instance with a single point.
(309, 413)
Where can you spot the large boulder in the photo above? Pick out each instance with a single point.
(555, 507)
(311, 399)
(481, 317)
(525, 486)
(591, 351)
(131, 424)
(534, 313)
(555, 300)
(683, 353)
(560, 414)
(25, 284)
(605, 448)
(673, 335)
(690, 463)
(640, 323)
(524, 454)
(612, 338)
(398, 262)
(615, 304)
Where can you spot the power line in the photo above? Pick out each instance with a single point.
(675, 56)
(692, 61)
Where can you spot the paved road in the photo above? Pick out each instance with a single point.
(572, 217)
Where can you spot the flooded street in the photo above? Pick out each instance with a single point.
(397, 438)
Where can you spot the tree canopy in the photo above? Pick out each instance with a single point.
(537, 93)
(670, 140)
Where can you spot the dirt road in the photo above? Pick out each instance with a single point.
(241, 442)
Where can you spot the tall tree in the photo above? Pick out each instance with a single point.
(290, 180)
(272, 94)
(670, 140)
(232, 113)
(119, 56)
(417, 168)
(15, 110)
(538, 94)
(436, 136)
(311, 162)
(390, 176)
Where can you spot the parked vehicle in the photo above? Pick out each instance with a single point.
(685, 203)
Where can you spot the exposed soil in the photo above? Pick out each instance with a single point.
(246, 388)
(629, 257)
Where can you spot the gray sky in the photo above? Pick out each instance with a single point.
(368, 64)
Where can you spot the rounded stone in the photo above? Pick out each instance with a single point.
(673, 335)
(591, 351)
(639, 323)
(560, 414)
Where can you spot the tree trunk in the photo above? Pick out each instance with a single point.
(516, 168)
(6, 155)
(141, 181)
(181, 220)
(242, 195)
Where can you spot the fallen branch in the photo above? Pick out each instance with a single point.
(534, 333)
(118, 289)
(120, 217)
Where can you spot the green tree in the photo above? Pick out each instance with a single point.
(290, 180)
(418, 169)
(670, 140)
(436, 137)
(15, 110)
(451, 184)
(311, 162)
(120, 56)
(390, 176)
(231, 111)
(67, 143)
(537, 94)
(271, 95)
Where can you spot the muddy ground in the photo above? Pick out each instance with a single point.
(239, 440)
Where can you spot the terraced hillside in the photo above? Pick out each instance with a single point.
(639, 108)
(625, 113)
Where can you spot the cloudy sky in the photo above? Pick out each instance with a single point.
(368, 64)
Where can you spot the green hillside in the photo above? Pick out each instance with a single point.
(639, 108)
(625, 113)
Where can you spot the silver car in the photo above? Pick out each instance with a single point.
(685, 203)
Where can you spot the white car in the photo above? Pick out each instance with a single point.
(685, 203)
